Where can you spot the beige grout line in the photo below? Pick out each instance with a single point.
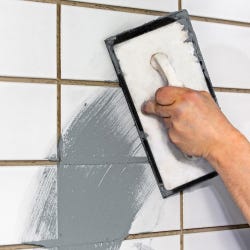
(27, 163)
(231, 90)
(152, 235)
(21, 246)
(218, 20)
(186, 231)
(27, 79)
(89, 83)
(42, 1)
(179, 5)
(114, 8)
(143, 11)
(181, 221)
(151, 12)
(215, 229)
(58, 63)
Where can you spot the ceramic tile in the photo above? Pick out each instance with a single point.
(28, 207)
(157, 214)
(223, 240)
(226, 52)
(84, 54)
(238, 10)
(158, 243)
(236, 108)
(99, 116)
(162, 5)
(28, 39)
(209, 204)
(28, 121)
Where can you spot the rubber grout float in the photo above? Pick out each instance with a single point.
(160, 53)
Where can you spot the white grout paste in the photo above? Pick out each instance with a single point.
(142, 80)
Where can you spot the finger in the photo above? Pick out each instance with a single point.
(162, 111)
(149, 108)
(168, 95)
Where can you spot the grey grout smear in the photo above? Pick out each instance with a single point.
(103, 131)
(42, 222)
(97, 203)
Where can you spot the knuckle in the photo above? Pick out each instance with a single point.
(178, 113)
(160, 94)
(191, 96)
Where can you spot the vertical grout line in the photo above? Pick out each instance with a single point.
(179, 4)
(58, 77)
(181, 222)
(58, 62)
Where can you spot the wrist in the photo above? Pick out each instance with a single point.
(227, 149)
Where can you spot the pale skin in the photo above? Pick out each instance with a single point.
(198, 127)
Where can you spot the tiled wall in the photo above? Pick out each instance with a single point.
(57, 82)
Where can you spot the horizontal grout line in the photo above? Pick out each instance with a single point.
(114, 8)
(150, 12)
(143, 11)
(219, 20)
(89, 83)
(231, 90)
(185, 231)
(152, 235)
(214, 229)
(27, 163)
(21, 246)
(27, 79)
(93, 83)
(42, 1)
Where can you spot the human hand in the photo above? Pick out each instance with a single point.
(194, 121)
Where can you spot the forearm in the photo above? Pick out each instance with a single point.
(231, 159)
(198, 127)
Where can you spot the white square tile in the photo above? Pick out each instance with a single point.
(209, 204)
(236, 107)
(157, 243)
(226, 51)
(84, 54)
(157, 214)
(99, 116)
(28, 39)
(28, 121)
(238, 10)
(223, 240)
(162, 5)
(28, 204)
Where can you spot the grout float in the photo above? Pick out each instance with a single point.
(142, 80)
